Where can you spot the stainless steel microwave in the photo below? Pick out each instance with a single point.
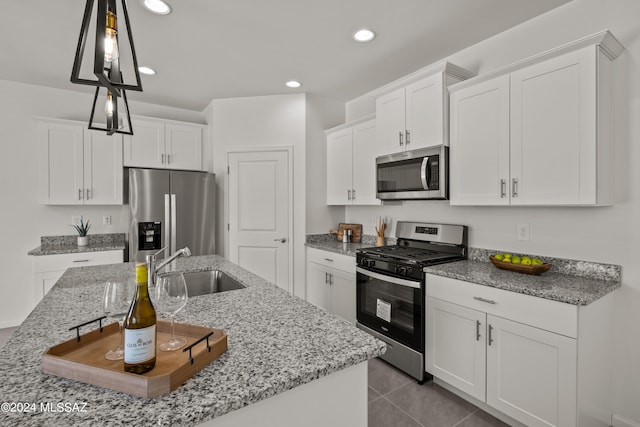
(414, 175)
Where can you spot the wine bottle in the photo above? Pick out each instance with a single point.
(140, 328)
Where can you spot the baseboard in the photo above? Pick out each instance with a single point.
(10, 323)
(619, 421)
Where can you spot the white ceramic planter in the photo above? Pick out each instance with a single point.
(83, 240)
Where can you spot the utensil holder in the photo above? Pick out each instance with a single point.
(380, 241)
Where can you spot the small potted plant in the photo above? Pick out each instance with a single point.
(82, 229)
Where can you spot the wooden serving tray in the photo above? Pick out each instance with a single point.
(519, 268)
(356, 231)
(84, 360)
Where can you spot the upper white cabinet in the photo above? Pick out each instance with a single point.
(538, 135)
(415, 115)
(351, 164)
(163, 144)
(79, 166)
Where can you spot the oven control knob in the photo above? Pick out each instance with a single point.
(408, 271)
(371, 263)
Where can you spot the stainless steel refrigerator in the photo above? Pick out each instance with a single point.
(173, 209)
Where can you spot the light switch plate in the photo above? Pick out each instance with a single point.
(106, 220)
(523, 232)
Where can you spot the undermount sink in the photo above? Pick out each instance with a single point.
(210, 282)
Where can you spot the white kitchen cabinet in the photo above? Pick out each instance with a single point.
(529, 358)
(479, 152)
(163, 144)
(351, 164)
(331, 282)
(416, 115)
(538, 135)
(78, 165)
(49, 268)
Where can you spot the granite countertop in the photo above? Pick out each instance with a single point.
(56, 245)
(569, 281)
(329, 242)
(276, 342)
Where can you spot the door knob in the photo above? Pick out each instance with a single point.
(281, 240)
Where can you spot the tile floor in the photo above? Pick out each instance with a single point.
(397, 400)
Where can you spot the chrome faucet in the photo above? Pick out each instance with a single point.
(152, 270)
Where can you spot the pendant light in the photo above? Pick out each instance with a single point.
(109, 53)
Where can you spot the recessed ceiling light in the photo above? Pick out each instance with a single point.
(293, 84)
(148, 71)
(364, 35)
(156, 6)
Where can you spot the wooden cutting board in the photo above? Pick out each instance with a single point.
(356, 232)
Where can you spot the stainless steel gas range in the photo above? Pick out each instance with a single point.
(390, 288)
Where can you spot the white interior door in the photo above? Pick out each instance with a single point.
(260, 213)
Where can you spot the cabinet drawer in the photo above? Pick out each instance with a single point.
(330, 259)
(82, 259)
(545, 314)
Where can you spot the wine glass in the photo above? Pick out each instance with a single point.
(115, 303)
(171, 297)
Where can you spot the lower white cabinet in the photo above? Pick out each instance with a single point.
(49, 268)
(532, 359)
(331, 282)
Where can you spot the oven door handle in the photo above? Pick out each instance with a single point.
(394, 280)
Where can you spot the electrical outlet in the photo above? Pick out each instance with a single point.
(523, 232)
(75, 219)
(106, 220)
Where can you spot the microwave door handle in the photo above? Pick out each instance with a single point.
(425, 173)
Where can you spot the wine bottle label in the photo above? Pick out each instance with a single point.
(139, 344)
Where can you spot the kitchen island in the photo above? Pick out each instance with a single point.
(286, 359)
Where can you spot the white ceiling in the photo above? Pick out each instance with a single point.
(207, 49)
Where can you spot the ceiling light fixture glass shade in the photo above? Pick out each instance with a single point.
(364, 35)
(156, 6)
(110, 113)
(115, 65)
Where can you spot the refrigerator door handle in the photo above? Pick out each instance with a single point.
(167, 223)
(173, 224)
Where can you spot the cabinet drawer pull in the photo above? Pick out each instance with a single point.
(168, 158)
(326, 278)
(81, 260)
(490, 335)
(477, 330)
(88, 194)
(514, 187)
(488, 301)
(348, 194)
(328, 259)
(79, 193)
(503, 188)
(353, 194)
(408, 137)
(400, 136)
(162, 158)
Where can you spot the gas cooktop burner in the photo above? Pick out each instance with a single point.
(410, 254)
